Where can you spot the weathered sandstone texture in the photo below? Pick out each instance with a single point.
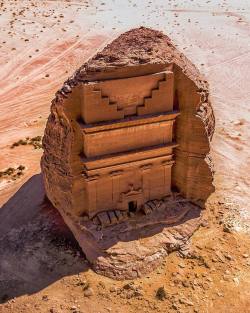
(126, 153)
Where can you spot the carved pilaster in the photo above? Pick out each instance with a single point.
(115, 186)
(146, 170)
(92, 194)
(167, 165)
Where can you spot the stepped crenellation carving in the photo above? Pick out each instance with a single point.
(98, 107)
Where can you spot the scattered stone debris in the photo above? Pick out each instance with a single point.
(231, 220)
(45, 298)
(161, 294)
(36, 142)
(186, 301)
(128, 291)
(88, 292)
(110, 218)
(193, 254)
(74, 309)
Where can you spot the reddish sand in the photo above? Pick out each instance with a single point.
(42, 43)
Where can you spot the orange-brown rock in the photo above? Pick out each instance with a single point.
(132, 125)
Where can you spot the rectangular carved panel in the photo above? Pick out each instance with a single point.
(127, 138)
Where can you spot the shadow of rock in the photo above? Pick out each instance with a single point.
(36, 247)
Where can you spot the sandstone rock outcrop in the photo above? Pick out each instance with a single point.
(169, 121)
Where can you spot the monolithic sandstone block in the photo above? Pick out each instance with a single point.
(132, 125)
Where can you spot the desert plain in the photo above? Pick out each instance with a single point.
(42, 269)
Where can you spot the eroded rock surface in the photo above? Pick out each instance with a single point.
(139, 244)
(137, 53)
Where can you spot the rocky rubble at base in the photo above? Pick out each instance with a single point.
(172, 202)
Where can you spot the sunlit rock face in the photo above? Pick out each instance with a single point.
(128, 131)
(136, 118)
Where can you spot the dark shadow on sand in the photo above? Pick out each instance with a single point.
(36, 247)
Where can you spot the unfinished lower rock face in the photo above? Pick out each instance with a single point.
(131, 126)
(138, 245)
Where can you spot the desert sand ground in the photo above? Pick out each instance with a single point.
(41, 266)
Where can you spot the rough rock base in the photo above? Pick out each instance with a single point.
(138, 245)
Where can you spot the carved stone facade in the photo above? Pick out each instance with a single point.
(127, 153)
(131, 127)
